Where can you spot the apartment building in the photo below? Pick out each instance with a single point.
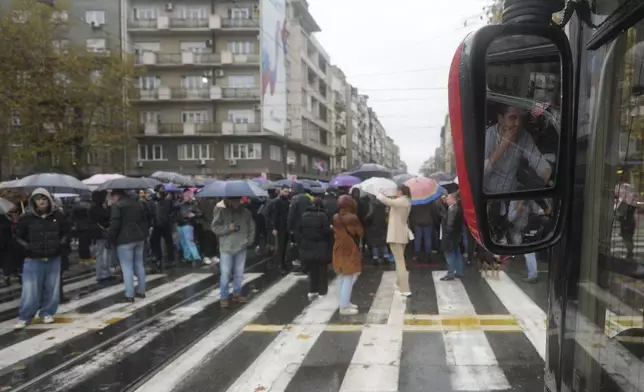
(310, 112)
(341, 119)
(363, 136)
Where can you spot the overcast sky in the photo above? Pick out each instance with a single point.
(398, 53)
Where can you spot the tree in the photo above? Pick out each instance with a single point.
(63, 102)
(494, 12)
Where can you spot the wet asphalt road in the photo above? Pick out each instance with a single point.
(280, 341)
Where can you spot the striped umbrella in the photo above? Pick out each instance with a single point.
(423, 190)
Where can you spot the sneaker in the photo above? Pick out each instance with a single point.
(225, 304)
(240, 299)
(313, 296)
(21, 324)
(140, 295)
(406, 293)
(447, 277)
(207, 261)
(530, 280)
(348, 311)
(215, 260)
(48, 320)
(353, 306)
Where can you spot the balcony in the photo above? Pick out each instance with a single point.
(230, 128)
(179, 129)
(168, 94)
(340, 129)
(239, 24)
(340, 151)
(241, 93)
(177, 59)
(166, 23)
(229, 58)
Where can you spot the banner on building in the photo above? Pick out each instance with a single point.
(273, 40)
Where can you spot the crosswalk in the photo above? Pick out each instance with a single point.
(473, 334)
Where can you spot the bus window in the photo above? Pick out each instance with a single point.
(609, 337)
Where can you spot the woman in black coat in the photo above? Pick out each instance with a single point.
(315, 233)
(376, 232)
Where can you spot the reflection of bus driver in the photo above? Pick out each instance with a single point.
(505, 143)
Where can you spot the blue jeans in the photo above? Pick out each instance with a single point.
(454, 260)
(531, 264)
(40, 288)
(235, 264)
(346, 287)
(385, 253)
(131, 259)
(187, 241)
(423, 234)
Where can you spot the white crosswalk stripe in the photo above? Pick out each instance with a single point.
(374, 364)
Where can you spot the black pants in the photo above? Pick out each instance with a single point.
(317, 277)
(84, 241)
(208, 244)
(282, 246)
(164, 232)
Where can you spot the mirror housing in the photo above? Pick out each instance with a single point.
(468, 99)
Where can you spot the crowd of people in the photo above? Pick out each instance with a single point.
(300, 230)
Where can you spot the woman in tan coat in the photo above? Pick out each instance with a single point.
(398, 232)
(347, 259)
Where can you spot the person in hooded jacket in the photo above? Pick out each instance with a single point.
(80, 219)
(99, 223)
(300, 202)
(347, 257)
(163, 213)
(43, 232)
(376, 232)
(315, 234)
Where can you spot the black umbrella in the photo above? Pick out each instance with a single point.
(53, 182)
(368, 170)
(401, 178)
(442, 178)
(232, 189)
(174, 178)
(126, 183)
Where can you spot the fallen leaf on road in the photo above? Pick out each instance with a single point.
(304, 336)
(260, 388)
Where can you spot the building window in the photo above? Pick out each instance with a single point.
(304, 161)
(96, 44)
(95, 18)
(147, 47)
(193, 82)
(275, 153)
(150, 153)
(195, 47)
(145, 13)
(244, 116)
(149, 82)
(194, 13)
(239, 13)
(194, 117)
(241, 81)
(241, 47)
(243, 151)
(193, 152)
(59, 16)
(291, 157)
(60, 44)
(150, 117)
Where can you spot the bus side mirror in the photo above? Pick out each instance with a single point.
(511, 113)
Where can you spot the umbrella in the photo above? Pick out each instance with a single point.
(318, 190)
(53, 182)
(442, 177)
(423, 190)
(173, 188)
(401, 178)
(98, 179)
(65, 195)
(233, 189)
(152, 182)
(264, 183)
(281, 183)
(6, 206)
(368, 170)
(309, 184)
(125, 183)
(174, 178)
(344, 180)
(376, 185)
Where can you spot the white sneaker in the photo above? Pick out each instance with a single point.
(215, 260)
(48, 320)
(313, 296)
(354, 306)
(406, 294)
(20, 324)
(348, 311)
(207, 261)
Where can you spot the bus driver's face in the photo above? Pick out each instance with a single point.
(510, 122)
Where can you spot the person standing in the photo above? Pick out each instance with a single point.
(127, 232)
(163, 209)
(234, 226)
(398, 232)
(280, 215)
(452, 229)
(189, 215)
(347, 257)
(314, 235)
(99, 220)
(42, 231)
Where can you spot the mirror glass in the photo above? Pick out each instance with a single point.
(523, 124)
(521, 222)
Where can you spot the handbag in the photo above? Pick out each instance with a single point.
(355, 239)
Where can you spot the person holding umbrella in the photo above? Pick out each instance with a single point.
(235, 228)
(127, 232)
